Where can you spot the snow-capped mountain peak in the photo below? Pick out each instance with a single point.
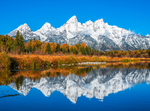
(72, 20)
(98, 35)
(71, 27)
(47, 26)
(87, 24)
(22, 29)
(99, 21)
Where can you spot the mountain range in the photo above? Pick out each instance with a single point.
(98, 83)
(98, 35)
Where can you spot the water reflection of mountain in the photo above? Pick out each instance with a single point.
(98, 83)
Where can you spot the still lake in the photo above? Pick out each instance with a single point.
(80, 88)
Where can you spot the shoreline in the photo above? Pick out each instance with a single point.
(46, 61)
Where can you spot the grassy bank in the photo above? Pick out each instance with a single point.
(38, 61)
(46, 61)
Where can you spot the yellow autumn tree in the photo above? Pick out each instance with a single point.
(83, 45)
(53, 47)
(73, 49)
(64, 47)
(38, 43)
(43, 47)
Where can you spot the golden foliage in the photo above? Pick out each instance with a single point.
(64, 46)
(83, 45)
(53, 47)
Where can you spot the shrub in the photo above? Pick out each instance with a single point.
(5, 60)
(95, 58)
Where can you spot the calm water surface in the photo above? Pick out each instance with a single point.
(85, 89)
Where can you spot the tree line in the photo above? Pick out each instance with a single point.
(18, 46)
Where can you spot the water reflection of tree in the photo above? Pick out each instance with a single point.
(83, 71)
(65, 71)
(19, 82)
(7, 77)
(138, 65)
(48, 73)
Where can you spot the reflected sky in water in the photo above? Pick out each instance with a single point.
(91, 89)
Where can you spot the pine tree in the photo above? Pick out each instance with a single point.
(148, 52)
(88, 50)
(34, 48)
(21, 43)
(83, 50)
(34, 39)
(16, 41)
(71, 50)
(48, 49)
(75, 51)
(58, 47)
(63, 50)
(29, 48)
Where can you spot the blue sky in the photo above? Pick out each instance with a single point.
(128, 14)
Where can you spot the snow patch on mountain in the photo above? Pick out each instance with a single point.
(22, 29)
